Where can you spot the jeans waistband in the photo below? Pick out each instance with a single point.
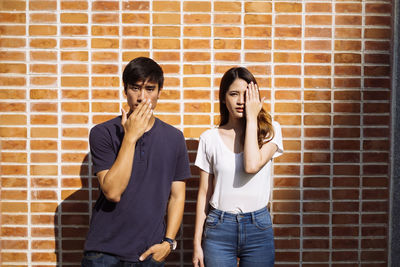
(248, 216)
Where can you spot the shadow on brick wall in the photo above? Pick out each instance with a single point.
(71, 219)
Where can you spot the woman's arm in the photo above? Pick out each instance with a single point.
(254, 157)
(203, 198)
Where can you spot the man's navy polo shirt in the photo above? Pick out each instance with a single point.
(128, 228)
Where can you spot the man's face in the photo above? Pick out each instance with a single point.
(141, 91)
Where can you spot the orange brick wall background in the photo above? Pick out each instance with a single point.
(324, 67)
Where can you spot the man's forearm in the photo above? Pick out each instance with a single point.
(176, 207)
(115, 181)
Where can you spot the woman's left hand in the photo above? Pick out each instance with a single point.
(253, 103)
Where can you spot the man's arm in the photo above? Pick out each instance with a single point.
(114, 181)
(176, 206)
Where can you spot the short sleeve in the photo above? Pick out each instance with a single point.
(277, 139)
(203, 159)
(101, 149)
(182, 168)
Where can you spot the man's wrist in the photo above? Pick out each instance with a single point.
(130, 140)
(172, 242)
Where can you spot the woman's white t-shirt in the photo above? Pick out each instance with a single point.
(235, 191)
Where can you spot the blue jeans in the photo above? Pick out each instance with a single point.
(98, 259)
(247, 236)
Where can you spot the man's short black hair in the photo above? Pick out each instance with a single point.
(143, 69)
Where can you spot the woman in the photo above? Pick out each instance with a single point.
(235, 179)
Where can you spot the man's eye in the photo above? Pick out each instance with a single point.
(150, 89)
(135, 88)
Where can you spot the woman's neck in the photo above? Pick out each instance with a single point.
(236, 124)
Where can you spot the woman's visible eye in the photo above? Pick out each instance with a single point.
(233, 94)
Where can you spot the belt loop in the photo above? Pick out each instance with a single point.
(222, 216)
(252, 218)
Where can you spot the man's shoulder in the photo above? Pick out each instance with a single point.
(169, 129)
(108, 126)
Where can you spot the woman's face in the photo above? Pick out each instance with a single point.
(235, 98)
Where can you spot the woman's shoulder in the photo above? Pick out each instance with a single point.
(276, 124)
(209, 134)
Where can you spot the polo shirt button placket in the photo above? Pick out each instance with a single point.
(142, 147)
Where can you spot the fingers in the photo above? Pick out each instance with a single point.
(124, 116)
(256, 91)
(146, 254)
(197, 262)
(142, 108)
(252, 93)
(143, 111)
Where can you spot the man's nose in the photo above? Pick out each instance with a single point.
(141, 95)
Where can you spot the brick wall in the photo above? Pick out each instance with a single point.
(324, 67)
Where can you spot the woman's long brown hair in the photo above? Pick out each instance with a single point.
(265, 130)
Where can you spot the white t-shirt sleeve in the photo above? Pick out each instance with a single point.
(277, 139)
(203, 158)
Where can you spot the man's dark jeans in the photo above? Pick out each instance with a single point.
(98, 259)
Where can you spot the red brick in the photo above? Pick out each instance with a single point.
(228, 6)
(14, 257)
(12, 5)
(293, 32)
(318, 20)
(74, 5)
(347, 33)
(315, 231)
(347, 82)
(315, 207)
(348, 20)
(288, 20)
(315, 218)
(15, 207)
(346, 170)
(14, 244)
(378, 8)
(318, 32)
(315, 195)
(287, 244)
(373, 243)
(345, 219)
(317, 144)
(286, 206)
(315, 243)
(12, 30)
(316, 169)
(286, 219)
(254, 31)
(377, 45)
(316, 182)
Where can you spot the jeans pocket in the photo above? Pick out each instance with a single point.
(93, 255)
(263, 221)
(156, 263)
(211, 221)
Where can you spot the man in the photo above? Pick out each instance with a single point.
(141, 163)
